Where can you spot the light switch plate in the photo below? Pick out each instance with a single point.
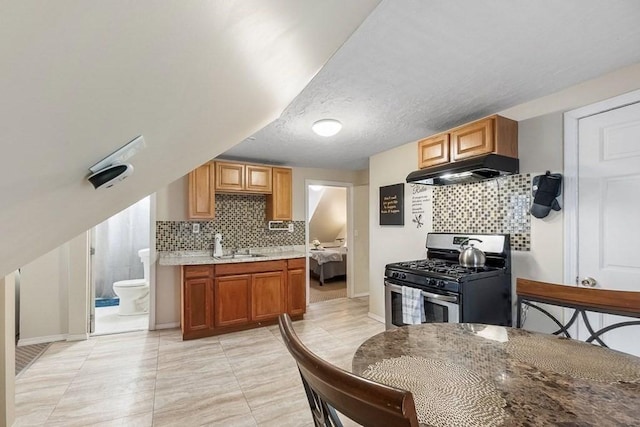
(195, 227)
(290, 228)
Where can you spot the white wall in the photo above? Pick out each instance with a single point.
(360, 240)
(44, 294)
(391, 243)
(53, 294)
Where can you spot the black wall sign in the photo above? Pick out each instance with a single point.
(392, 205)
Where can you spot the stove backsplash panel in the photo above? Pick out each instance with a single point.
(496, 206)
(241, 219)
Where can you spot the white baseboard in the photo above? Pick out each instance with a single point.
(362, 294)
(375, 317)
(167, 325)
(41, 340)
(78, 337)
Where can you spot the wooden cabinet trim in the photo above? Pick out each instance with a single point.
(293, 263)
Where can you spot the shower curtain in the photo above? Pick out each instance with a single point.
(116, 242)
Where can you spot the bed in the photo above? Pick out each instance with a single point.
(327, 263)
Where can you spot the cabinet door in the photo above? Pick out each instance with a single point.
(229, 176)
(279, 203)
(232, 303)
(433, 151)
(198, 305)
(202, 197)
(267, 295)
(473, 140)
(258, 178)
(296, 292)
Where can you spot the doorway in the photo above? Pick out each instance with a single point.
(601, 230)
(328, 235)
(120, 264)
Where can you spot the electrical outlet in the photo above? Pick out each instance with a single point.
(290, 228)
(195, 227)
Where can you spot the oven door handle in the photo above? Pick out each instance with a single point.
(395, 288)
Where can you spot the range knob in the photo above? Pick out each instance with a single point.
(403, 276)
(431, 282)
(394, 274)
(440, 283)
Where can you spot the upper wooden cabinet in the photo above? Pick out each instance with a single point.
(433, 151)
(242, 178)
(258, 178)
(494, 134)
(279, 203)
(202, 196)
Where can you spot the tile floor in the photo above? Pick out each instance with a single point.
(108, 321)
(154, 378)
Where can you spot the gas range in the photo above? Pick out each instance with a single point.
(483, 295)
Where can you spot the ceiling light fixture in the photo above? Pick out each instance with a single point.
(327, 127)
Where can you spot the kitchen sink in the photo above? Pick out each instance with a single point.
(240, 256)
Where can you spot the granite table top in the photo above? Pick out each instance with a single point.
(484, 375)
(205, 257)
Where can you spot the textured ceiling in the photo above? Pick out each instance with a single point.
(415, 68)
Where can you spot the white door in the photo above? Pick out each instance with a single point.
(609, 211)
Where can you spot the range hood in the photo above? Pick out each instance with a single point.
(465, 171)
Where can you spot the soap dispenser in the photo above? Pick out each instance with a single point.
(217, 245)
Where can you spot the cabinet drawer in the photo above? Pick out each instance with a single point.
(294, 263)
(250, 267)
(191, 271)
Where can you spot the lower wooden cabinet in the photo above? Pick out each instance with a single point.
(296, 287)
(229, 297)
(197, 301)
(267, 295)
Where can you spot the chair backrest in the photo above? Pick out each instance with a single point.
(330, 388)
(621, 303)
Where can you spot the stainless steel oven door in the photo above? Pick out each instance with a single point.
(438, 308)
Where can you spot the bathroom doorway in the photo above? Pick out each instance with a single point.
(120, 286)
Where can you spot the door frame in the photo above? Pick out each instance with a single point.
(152, 271)
(571, 144)
(350, 254)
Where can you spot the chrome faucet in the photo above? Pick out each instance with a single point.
(217, 245)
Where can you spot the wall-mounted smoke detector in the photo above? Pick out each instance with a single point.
(113, 169)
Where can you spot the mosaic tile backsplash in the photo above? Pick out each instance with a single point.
(241, 219)
(496, 206)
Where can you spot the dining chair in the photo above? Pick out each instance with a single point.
(582, 300)
(330, 389)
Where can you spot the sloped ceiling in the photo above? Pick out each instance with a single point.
(79, 79)
(330, 216)
(418, 67)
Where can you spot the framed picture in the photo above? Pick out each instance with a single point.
(392, 204)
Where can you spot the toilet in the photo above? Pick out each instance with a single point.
(134, 293)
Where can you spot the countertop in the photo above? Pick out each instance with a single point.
(467, 374)
(205, 257)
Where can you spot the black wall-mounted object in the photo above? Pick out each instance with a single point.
(466, 171)
(392, 204)
(546, 189)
